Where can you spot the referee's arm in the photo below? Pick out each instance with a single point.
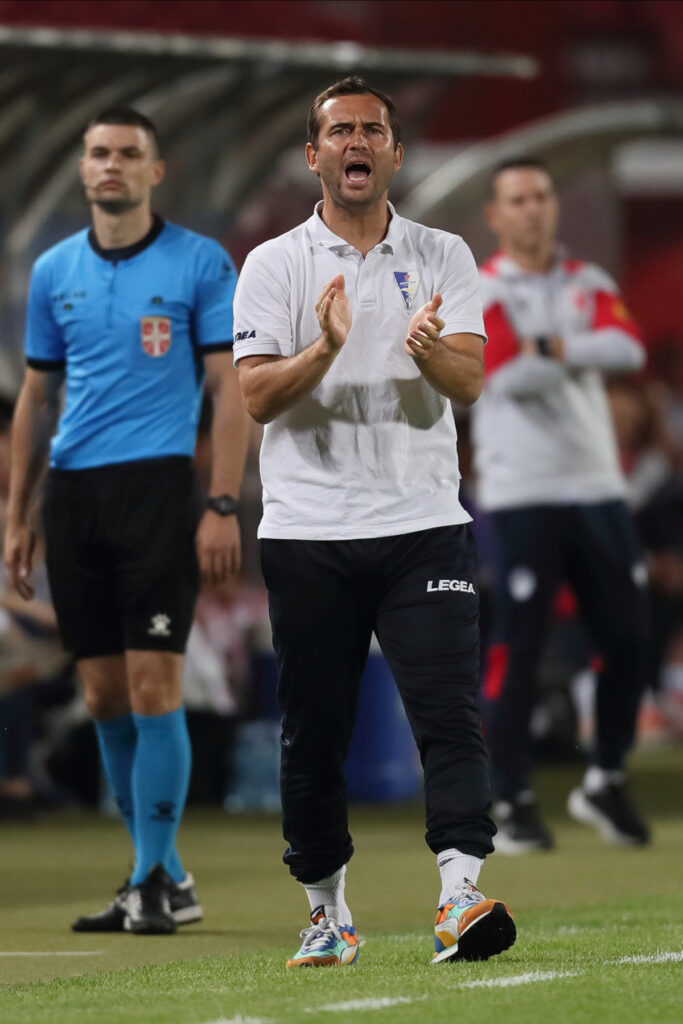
(218, 538)
(33, 424)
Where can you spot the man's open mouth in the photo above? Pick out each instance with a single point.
(357, 172)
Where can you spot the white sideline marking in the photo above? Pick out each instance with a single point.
(517, 979)
(89, 952)
(513, 979)
(655, 958)
(379, 1004)
(239, 1019)
(364, 1004)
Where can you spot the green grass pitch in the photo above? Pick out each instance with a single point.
(600, 929)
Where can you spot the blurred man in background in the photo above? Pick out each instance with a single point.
(549, 472)
(134, 312)
(353, 331)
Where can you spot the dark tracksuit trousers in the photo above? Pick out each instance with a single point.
(595, 549)
(326, 598)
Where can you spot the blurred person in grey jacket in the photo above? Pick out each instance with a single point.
(548, 472)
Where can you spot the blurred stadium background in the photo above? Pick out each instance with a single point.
(596, 88)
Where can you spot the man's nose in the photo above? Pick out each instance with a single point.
(358, 137)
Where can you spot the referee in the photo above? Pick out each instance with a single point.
(353, 331)
(134, 313)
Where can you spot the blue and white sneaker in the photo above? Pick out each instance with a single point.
(326, 943)
(470, 927)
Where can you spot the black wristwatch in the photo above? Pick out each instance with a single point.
(223, 504)
(542, 345)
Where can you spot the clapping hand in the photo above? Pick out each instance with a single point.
(424, 329)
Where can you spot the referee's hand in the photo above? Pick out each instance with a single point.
(19, 544)
(219, 548)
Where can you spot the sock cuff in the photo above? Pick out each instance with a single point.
(447, 855)
(597, 777)
(329, 882)
(154, 721)
(121, 726)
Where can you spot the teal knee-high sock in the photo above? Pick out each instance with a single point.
(117, 740)
(159, 781)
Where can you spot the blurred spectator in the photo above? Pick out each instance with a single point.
(216, 681)
(652, 459)
(666, 366)
(30, 654)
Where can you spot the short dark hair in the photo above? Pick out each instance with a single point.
(514, 163)
(353, 85)
(127, 115)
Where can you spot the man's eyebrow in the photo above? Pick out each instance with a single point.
(350, 124)
(100, 147)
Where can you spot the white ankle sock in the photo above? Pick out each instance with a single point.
(329, 892)
(455, 867)
(597, 778)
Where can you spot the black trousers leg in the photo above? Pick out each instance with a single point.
(530, 542)
(321, 633)
(428, 627)
(606, 570)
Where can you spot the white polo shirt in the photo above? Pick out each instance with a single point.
(371, 452)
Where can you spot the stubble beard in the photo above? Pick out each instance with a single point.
(352, 202)
(116, 207)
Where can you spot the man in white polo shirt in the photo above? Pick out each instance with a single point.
(353, 331)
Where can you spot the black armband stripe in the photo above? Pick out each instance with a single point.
(222, 346)
(45, 364)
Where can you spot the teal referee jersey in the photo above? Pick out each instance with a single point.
(130, 327)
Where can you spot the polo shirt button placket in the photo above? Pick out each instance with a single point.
(367, 283)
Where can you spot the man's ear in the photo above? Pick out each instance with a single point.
(490, 215)
(159, 171)
(312, 159)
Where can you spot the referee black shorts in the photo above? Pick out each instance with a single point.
(121, 557)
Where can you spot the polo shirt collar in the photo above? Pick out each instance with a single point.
(128, 251)
(322, 236)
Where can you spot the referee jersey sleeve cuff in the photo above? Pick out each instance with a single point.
(45, 364)
(219, 346)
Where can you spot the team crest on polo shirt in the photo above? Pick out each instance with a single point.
(155, 334)
(408, 282)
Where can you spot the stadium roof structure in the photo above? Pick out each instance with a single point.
(568, 142)
(224, 107)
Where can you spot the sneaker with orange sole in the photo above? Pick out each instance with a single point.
(326, 943)
(470, 927)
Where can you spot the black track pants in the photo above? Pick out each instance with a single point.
(417, 592)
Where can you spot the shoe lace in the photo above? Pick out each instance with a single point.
(466, 897)
(318, 935)
(134, 901)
